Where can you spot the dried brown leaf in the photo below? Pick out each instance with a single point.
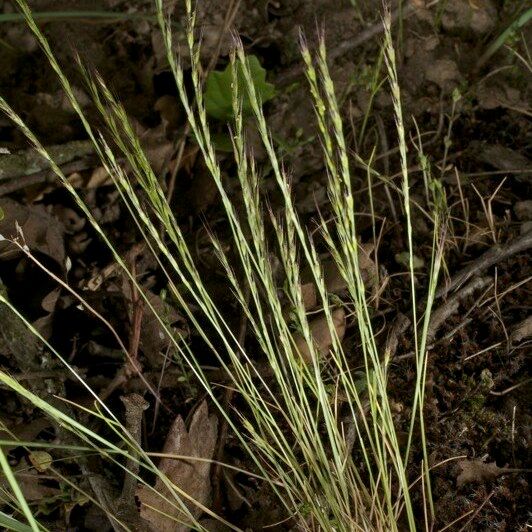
(309, 296)
(478, 471)
(156, 146)
(100, 177)
(192, 476)
(522, 331)
(321, 335)
(32, 486)
(334, 281)
(41, 231)
(153, 337)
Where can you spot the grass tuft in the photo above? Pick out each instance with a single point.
(303, 423)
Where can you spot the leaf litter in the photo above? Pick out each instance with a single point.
(186, 474)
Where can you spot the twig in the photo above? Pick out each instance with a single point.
(293, 73)
(511, 388)
(451, 305)
(30, 162)
(398, 327)
(126, 507)
(493, 256)
(132, 364)
(45, 176)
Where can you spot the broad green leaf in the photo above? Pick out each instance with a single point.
(218, 89)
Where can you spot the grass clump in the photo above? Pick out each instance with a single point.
(305, 420)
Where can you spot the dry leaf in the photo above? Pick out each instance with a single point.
(478, 471)
(41, 231)
(321, 334)
(168, 108)
(334, 281)
(192, 476)
(522, 331)
(18, 431)
(40, 460)
(153, 338)
(44, 323)
(100, 177)
(309, 296)
(32, 486)
(156, 146)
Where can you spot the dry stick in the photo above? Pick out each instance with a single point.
(29, 162)
(132, 364)
(292, 74)
(451, 305)
(477, 511)
(126, 507)
(511, 388)
(44, 176)
(397, 329)
(493, 256)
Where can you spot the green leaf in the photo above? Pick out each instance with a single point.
(10, 523)
(222, 142)
(219, 90)
(404, 259)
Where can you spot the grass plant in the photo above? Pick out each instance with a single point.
(294, 422)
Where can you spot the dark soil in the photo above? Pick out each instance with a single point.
(475, 122)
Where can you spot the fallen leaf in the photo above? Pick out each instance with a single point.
(309, 296)
(41, 231)
(334, 281)
(32, 486)
(44, 323)
(193, 477)
(202, 192)
(168, 108)
(19, 431)
(153, 338)
(40, 460)
(321, 335)
(157, 148)
(478, 471)
(522, 331)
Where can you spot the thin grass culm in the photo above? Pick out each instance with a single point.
(322, 436)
